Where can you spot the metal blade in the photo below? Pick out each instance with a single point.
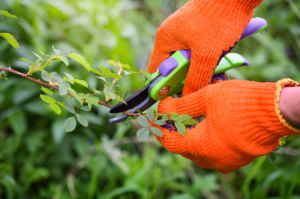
(147, 103)
(132, 101)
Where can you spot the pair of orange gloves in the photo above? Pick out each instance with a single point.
(245, 119)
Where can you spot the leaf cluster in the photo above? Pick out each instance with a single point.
(181, 122)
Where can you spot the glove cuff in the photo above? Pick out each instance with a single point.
(279, 86)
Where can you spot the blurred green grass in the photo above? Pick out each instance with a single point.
(39, 160)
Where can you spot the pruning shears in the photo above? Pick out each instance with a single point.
(170, 76)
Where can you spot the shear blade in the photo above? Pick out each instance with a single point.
(132, 101)
(147, 103)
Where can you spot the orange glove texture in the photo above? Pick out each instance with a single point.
(209, 28)
(243, 122)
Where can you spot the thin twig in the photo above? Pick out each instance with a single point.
(127, 76)
(78, 109)
(56, 88)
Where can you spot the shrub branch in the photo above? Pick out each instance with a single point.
(56, 88)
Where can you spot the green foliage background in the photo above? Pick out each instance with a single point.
(39, 160)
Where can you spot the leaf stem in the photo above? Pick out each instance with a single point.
(127, 76)
(78, 110)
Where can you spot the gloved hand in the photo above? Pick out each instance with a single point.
(243, 122)
(209, 28)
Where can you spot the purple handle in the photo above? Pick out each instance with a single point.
(171, 63)
(168, 66)
(254, 25)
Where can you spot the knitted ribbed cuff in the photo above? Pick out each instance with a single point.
(279, 86)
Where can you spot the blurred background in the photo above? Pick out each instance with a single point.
(39, 160)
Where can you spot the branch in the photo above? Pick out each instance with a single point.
(30, 78)
(54, 87)
(127, 76)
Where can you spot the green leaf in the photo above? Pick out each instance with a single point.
(26, 60)
(143, 134)
(46, 76)
(67, 80)
(43, 53)
(174, 117)
(73, 92)
(61, 104)
(157, 131)
(57, 52)
(65, 83)
(160, 122)
(202, 118)
(65, 60)
(39, 57)
(56, 58)
(70, 77)
(93, 100)
(102, 78)
(82, 120)
(182, 118)
(69, 107)
(282, 141)
(271, 158)
(150, 114)
(146, 74)
(105, 71)
(143, 121)
(82, 96)
(85, 108)
(81, 82)
(47, 91)
(165, 118)
(47, 99)
(55, 76)
(96, 91)
(10, 39)
(181, 128)
(56, 109)
(113, 62)
(117, 96)
(109, 92)
(81, 60)
(125, 66)
(3, 75)
(70, 124)
(191, 122)
(7, 14)
(112, 75)
(97, 72)
(126, 95)
(62, 89)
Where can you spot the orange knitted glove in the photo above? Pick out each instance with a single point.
(243, 122)
(209, 28)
